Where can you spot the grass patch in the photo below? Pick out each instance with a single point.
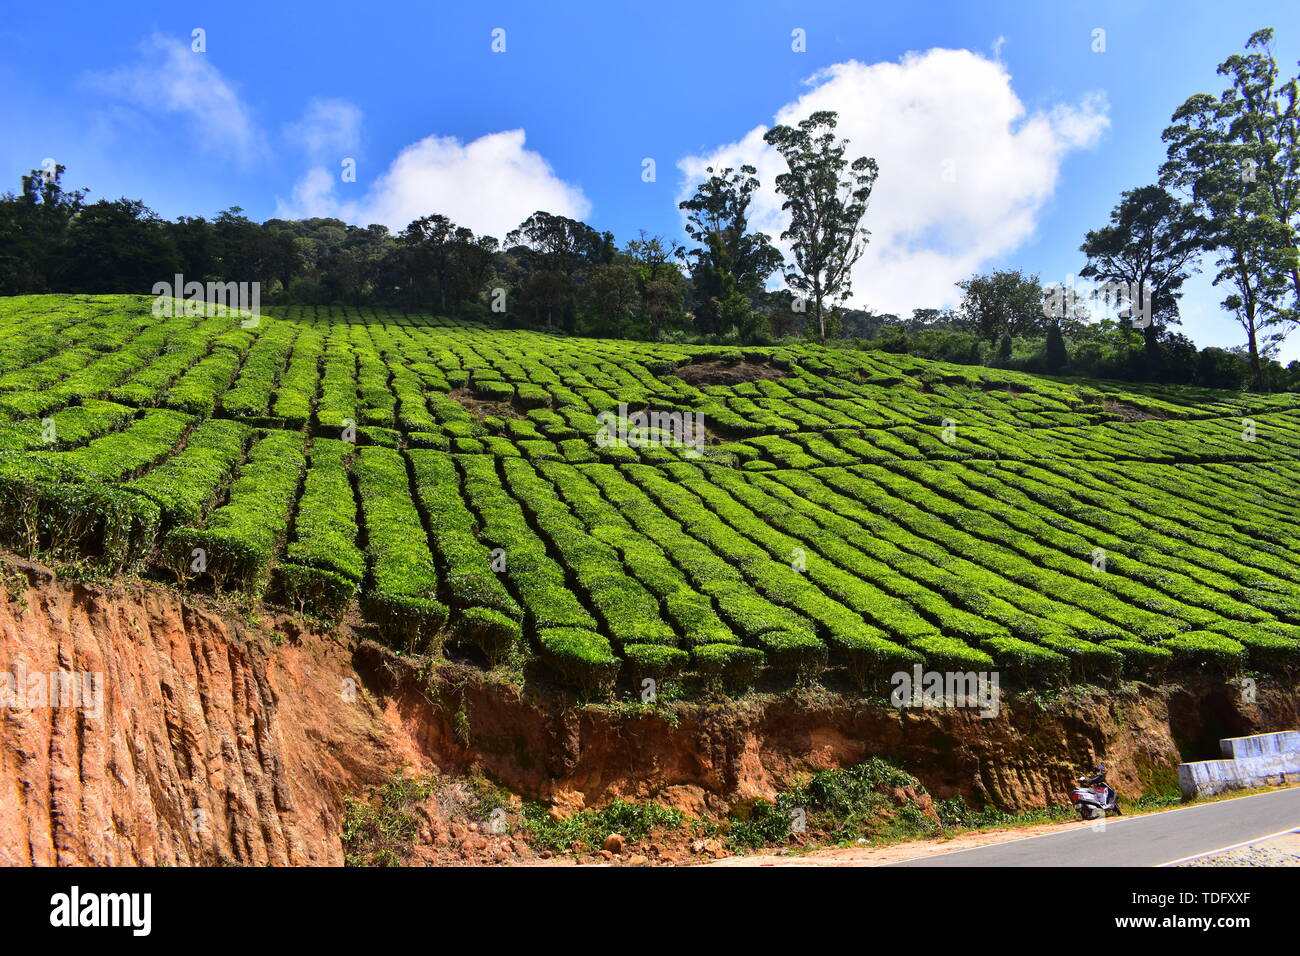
(862, 803)
(589, 828)
(379, 831)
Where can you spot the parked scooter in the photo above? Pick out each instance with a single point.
(1093, 799)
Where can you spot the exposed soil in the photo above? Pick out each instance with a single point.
(1009, 389)
(225, 738)
(445, 828)
(482, 408)
(727, 373)
(1131, 413)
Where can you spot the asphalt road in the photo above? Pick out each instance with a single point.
(1148, 840)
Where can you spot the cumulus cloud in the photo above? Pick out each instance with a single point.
(490, 184)
(168, 78)
(329, 129)
(965, 170)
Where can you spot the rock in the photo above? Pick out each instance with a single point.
(926, 805)
(636, 859)
(713, 848)
(565, 803)
(614, 843)
(686, 798)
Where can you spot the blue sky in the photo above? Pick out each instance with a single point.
(1001, 155)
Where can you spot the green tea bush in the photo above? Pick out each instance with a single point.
(241, 537)
(657, 661)
(1088, 661)
(1032, 664)
(1200, 650)
(581, 658)
(948, 654)
(402, 598)
(1146, 661)
(831, 522)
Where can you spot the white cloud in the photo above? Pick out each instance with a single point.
(490, 184)
(943, 110)
(330, 128)
(171, 79)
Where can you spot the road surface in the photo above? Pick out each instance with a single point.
(1147, 840)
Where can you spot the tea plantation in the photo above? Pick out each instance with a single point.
(456, 487)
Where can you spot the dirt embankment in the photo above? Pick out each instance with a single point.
(210, 744)
(720, 372)
(220, 741)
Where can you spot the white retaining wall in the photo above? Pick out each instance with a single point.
(1255, 761)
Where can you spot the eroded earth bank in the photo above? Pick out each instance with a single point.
(225, 738)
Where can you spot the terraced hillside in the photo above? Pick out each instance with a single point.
(456, 486)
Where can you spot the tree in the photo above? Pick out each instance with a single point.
(237, 246)
(33, 231)
(1266, 125)
(570, 246)
(1056, 356)
(612, 294)
(120, 246)
(1236, 156)
(474, 259)
(1257, 259)
(193, 238)
(730, 259)
(430, 242)
(1151, 246)
(659, 280)
(653, 256)
(548, 293)
(826, 196)
(1005, 347)
(662, 305)
(552, 257)
(281, 260)
(352, 270)
(783, 318)
(1003, 303)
